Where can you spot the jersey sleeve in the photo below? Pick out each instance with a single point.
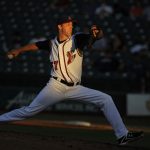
(82, 40)
(44, 45)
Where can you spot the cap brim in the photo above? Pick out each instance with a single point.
(66, 21)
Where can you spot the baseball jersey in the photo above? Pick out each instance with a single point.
(67, 56)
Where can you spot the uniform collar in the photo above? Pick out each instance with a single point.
(60, 42)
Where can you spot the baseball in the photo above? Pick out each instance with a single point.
(10, 56)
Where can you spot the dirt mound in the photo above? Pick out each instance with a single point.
(26, 141)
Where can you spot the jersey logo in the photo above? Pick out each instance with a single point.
(71, 57)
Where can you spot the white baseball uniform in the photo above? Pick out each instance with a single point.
(66, 58)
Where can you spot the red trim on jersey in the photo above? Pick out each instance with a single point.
(60, 67)
(65, 61)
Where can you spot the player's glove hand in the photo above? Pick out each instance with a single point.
(97, 32)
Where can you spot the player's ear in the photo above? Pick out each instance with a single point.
(59, 26)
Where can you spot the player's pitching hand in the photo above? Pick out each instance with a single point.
(97, 32)
(12, 54)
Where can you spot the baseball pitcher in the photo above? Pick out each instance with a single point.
(66, 56)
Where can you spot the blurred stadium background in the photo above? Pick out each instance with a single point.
(118, 64)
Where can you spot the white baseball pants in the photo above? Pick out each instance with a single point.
(55, 91)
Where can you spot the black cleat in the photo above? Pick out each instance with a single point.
(130, 137)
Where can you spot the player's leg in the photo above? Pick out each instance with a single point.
(50, 94)
(104, 102)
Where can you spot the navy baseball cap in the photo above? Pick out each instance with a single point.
(65, 19)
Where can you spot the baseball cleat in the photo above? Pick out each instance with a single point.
(130, 137)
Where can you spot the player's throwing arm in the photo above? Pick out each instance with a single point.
(15, 52)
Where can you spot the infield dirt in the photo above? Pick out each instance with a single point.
(30, 141)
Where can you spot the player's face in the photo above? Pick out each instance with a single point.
(66, 29)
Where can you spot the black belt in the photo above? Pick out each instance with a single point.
(65, 82)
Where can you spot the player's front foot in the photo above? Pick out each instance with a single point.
(130, 137)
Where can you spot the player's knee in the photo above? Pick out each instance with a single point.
(107, 99)
(103, 99)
